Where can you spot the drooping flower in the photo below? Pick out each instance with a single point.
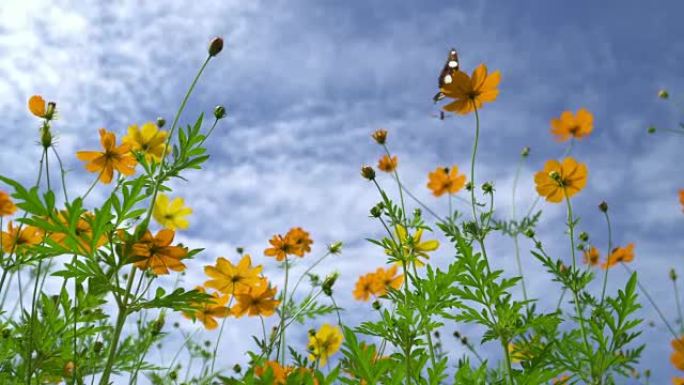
(558, 180)
(388, 164)
(157, 254)
(112, 158)
(677, 357)
(413, 248)
(171, 213)
(37, 106)
(7, 207)
(471, 92)
(572, 126)
(445, 180)
(383, 279)
(324, 343)
(230, 279)
(619, 255)
(17, 239)
(209, 311)
(257, 300)
(147, 139)
(592, 256)
(83, 234)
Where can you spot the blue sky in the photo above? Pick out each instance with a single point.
(306, 82)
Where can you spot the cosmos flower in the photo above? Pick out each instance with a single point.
(388, 164)
(413, 246)
(209, 311)
(230, 279)
(83, 233)
(677, 357)
(156, 253)
(171, 213)
(618, 255)
(258, 300)
(295, 242)
(112, 158)
(445, 180)
(324, 343)
(558, 180)
(18, 238)
(147, 139)
(572, 126)
(592, 256)
(7, 207)
(471, 92)
(37, 106)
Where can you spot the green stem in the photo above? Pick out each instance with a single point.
(679, 306)
(515, 236)
(281, 341)
(610, 249)
(313, 265)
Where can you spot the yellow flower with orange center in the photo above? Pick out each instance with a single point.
(171, 213)
(471, 92)
(208, 312)
(388, 164)
(445, 180)
(157, 254)
(230, 279)
(258, 300)
(572, 126)
(7, 207)
(324, 343)
(147, 139)
(592, 256)
(560, 179)
(620, 255)
(17, 239)
(112, 158)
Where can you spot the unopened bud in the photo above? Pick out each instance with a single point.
(329, 282)
(240, 250)
(312, 332)
(215, 46)
(525, 152)
(488, 188)
(469, 186)
(335, 248)
(219, 112)
(584, 237)
(603, 206)
(529, 233)
(161, 122)
(673, 275)
(50, 111)
(97, 346)
(663, 94)
(368, 172)
(237, 368)
(377, 305)
(380, 136)
(651, 130)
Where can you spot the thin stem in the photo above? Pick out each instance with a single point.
(281, 341)
(29, 356)
(515, 236)
(62, 173)
(92, 185)
(679, 306)
(423, 205)
(610, 249)
(218, 339)
(313, 265)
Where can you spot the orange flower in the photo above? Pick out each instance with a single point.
(258, 300)
(677, 380)
(559, 180)
(445, 180)
(112, 158)
(7, 207)
(470, 93)
(575, 126)
(208, 311)
(365, 287)
(230, 279)
(295, 242)
(677, 357)
(388, 164)
(384, 279)
(157, 254)
(18, 238)
(620, 254)
(681, 198)
(380, 136)
(561, 380)
(37, 106)
(592, 256)
(278, 371)
(83, 233)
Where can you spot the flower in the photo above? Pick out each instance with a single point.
(7, 207)
(561, 380)
(155, 252)
(681, 198)
(324, 343)
(113, 158)
(257, 300)
(148, 139)
(677, 357)
(295, 242)
(515, 353)
(445, 180)
(620, 254)
(365, 287)
(470, 93)
(388, 164)
(207, 312)
(83, 234)
(592, 256)
(677, 380)
(278, 371)
(412, 246)
(558, 180)
(171, 214)
(230, 279)
(18, 238)
(572, 126)
(383, 279)
(380, 136)
(37, 106)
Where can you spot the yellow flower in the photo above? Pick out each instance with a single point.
(515, 354)
(230, 279)
(18, 238)
(37, 106)
(558, 179)
(207, 312)
(388, 164)
(112, 158)
(572, 126)
(592, 256)
(156, 253)
(470, 93)
(171, 214)
(445, 180)
(620, 254)
(324, 343)
(412, 246)
(148, 139)
(257, 300)
(7, 207)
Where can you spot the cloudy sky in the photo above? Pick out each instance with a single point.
(306, 82)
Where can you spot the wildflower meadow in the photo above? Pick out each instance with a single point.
(99, 283)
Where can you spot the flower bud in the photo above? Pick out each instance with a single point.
(584, 237)
(469, 186)
(529, 233)
(525, 152)
(651, 130)
(215, 46)
(377, 305)
(368, 172)
(68, 370)
(45, 136)
(488, 188)
(603, 206)
(380, 136)
(161, 122)
(50, 111)
(312, 332)
(158, 325)
(97, 346)
(335, 248)
(663, 94)
(375, 212)
(219, 112)
(329, 282)
(673, 275)
(237, 368)
(240, 250)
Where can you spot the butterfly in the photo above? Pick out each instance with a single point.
(446, 76)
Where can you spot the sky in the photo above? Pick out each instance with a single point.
(306, 82)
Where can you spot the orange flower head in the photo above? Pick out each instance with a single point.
(7, 207)
(157, 253)
(230, 279)
(388, 164)
(280, 248)
(572, 126)
(208, 312)
(112, 158)
(365, 287)
(677, 357)
(278, 371)
(259, 300)
(445, 180)
(620, 254)
(681, 198)
(471, 92)
(384, 279)
(17, 239)
(37, 106)
(558, 180)
(380, 136)
(300, 240)
(677, 380)
(592, 256)
(83, 234)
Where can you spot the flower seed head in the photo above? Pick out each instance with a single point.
(215, 46)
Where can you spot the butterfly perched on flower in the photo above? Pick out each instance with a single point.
(446, 76)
